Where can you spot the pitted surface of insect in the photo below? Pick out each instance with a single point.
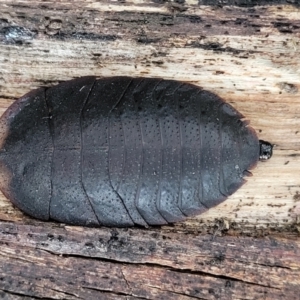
(123, 151)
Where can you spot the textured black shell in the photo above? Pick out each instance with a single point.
(122, 151)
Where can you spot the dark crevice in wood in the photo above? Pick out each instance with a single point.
(265, 265)
(85, 36)
(161, 266)
(189, 271)
(22, 294)
(248, 3)
(124, 277)
(64, 292)
(7, 97)
(110, 292)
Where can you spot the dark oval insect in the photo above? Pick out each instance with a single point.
(123, 151)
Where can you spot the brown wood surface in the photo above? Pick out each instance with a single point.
(245, 248)
(44, 260)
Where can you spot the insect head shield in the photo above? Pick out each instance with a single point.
(266, 150)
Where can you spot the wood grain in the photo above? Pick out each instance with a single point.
(82, 263)
(248, 55)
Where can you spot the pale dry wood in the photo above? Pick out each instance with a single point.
(257, 71)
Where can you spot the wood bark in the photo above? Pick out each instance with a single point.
(44, 260)
(245, 248)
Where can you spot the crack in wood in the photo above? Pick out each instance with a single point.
(13, 293)
(177, 293)
(111, 292)
(201, 273)
(265, 265)
(127, 283)
(161, 266)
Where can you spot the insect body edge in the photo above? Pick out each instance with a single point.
(122, 151)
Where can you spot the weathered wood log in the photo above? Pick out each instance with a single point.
(247, 54)
(44, 260)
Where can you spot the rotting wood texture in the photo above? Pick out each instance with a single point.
(83, 263)
(246, 54)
